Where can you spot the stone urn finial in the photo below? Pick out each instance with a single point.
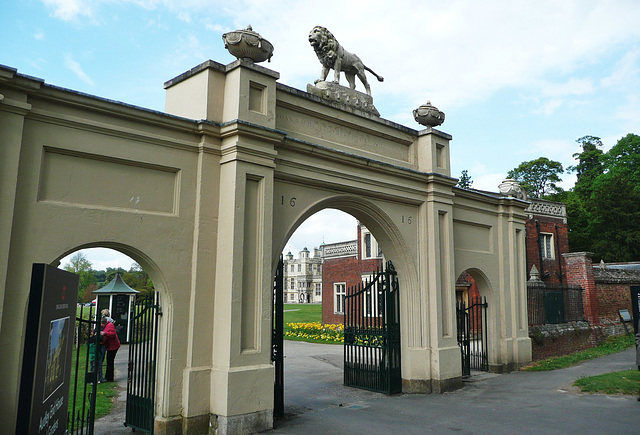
(247, 44)
(511, 187)
(428, 115)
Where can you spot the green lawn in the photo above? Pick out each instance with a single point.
(105, 392)
(301, 313)
(307, 314)
(625, 382)
(611, 345)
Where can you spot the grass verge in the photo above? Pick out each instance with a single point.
(105, 393)
(611, 345)
(625, 382)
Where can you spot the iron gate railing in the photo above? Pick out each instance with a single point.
(372, 334)
(84, 388)
(552, 305)
(141, 373)
(472, 335)
(277, 341)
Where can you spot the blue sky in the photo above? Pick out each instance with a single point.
(517, 80)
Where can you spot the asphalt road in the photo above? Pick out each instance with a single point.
(316, 402)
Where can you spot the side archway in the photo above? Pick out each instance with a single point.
(166, 306)
(473, 285)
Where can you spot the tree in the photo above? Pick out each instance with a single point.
(624, 157)
(614, 218)
(138, 279)
(589, 164)
(465, 180)
(80, 265)
(604, 206)
(538, 177)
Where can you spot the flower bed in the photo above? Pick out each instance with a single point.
(316, 331)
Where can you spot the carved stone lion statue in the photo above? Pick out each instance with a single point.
(333, 56)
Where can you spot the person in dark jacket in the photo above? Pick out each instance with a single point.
(111, 346)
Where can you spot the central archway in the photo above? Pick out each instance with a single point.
(372, 215)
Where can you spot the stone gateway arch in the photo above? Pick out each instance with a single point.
(205, 196)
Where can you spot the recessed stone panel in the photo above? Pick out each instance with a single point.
(104, 182)
(470, 236)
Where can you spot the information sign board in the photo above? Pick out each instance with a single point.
(48, 348)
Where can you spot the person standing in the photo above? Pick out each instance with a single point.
(111, 346)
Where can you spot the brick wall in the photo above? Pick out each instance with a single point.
(551, 270)
(579, 271)
(348, 270)
(611, 299)
(562, 339)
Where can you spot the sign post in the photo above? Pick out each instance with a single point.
(635, 307)
(48, 348)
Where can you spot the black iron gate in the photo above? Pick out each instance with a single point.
(472, 335)
(372, 334)
(141, 373)
(87, 363)
(277, 341)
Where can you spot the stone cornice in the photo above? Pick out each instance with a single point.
(546, 208)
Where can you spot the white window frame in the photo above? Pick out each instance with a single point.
(374, 248)
(339, 293)
(547, 246)
(371, 307)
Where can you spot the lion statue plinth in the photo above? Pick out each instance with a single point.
(333, 56)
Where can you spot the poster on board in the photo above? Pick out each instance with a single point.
(48, 348)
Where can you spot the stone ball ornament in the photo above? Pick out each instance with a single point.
(428, 115)
(247, 44)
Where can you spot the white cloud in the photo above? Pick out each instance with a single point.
(184, 16)
(68, 10)
(38, 63)
(488, 182)
(625, 71)
(101, 258)
(328, 226)
(38, 36)
(217, 28)
(75, 67)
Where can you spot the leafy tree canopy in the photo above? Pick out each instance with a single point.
(538, 177)
(604, 206)
(91, 280)
(80, 265)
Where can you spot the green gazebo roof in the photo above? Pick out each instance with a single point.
(116, 286)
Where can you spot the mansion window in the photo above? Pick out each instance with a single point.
(370, 247)
(546, 246)
(371, 301)
(318, 289)
(339, 292)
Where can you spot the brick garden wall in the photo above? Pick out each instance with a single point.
(605, 292)
(562, 339)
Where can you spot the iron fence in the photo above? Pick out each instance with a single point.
(552, 305)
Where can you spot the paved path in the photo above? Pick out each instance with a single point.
(521, 402)
(114, 422)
